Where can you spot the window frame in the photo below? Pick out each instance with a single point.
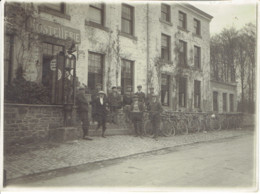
(132, 74)
(197, 58)
(197, 29)
(180, 85)
(10, 58)
(132, 12)
(168, 13)
(215, 106)
(168, 48)
(184, 53)
(182, 18)
(231, 102)
(224, 96)
(49, 10)
(197, 86)
(102, 13)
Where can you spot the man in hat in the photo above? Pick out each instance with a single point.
(93, 97)
(101, 106)
(82, 103)
(127, 101)
(149, 96)
(114, 100)
(155, 109)
(140, 94)
(137, 109)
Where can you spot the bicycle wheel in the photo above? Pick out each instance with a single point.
(174, 127)
(166, 128)
(215, 124)
(148, 129)
(194, 125)
(182, 127)
(203, 126)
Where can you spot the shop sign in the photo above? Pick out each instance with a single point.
(52, 29)
(53, 64)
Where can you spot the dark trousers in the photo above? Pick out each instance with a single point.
(85, 122)
(101, 119)
(113, 113)
(156, 121)
(137, 119)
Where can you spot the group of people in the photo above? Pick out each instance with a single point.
(134, 106)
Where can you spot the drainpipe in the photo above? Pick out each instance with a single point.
(147, 55)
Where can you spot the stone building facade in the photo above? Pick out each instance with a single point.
(160, 45)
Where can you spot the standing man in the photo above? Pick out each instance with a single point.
(114, 100)
(127, 101)
(101, 111)
(140, 94)
(155, 109)
(82, 103)
(137, 109)
(94, 96)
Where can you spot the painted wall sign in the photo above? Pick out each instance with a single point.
(54, 29)
(53, 64)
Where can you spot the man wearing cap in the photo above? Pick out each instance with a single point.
(137, 109)
(101, 105)
(140, 94)
(82, 103)
(127, 101)
(93, 97)
(155, 108)
(114, 100)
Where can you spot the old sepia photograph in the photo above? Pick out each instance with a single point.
(129, 95)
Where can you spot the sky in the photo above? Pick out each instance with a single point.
(228, 14)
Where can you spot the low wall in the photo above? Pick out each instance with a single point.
(25, 123)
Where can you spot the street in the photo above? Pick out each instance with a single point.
(226, 163)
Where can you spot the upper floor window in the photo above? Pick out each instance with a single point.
(165, 47)
(197, 95)
(196, 24)
(183, 53)
(182, 20)
(97, 13)
(231, 102)
(165, 12)
(165, 90)
(127, 19)
(58, 7)
(224, 102)
(197, 56)
(182, 92)
(127, 74)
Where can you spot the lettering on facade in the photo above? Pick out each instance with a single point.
(54, 30)
(53, 64)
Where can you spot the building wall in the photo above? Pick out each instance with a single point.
(144, 47)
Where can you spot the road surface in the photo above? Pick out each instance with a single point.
(226, 163)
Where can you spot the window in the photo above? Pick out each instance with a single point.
(95, 70)
(49, 52)
(182, 92)
(197, 95)
(165, 12)
(182, 20)
(97, 13)
(196, 26)
(197, 56)
(127, 70)
(165, 90)
(231, 102)
(127, 19)
(182, 53)
(58, 7)
(224, 102)
(165, 47)
(215, 101)
(8, 52)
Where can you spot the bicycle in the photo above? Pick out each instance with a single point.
(193, 124)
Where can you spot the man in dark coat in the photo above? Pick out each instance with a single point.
(127, 101)
(101, 105)
(155, 109)
(114, 100)
(82, 103)
(137, 109)
(93, 98)
(149, 96)
(140, 94)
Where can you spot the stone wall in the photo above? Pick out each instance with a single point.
(30, 123)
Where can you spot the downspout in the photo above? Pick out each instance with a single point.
(147, 44)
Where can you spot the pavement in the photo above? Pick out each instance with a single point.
(26, 160)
